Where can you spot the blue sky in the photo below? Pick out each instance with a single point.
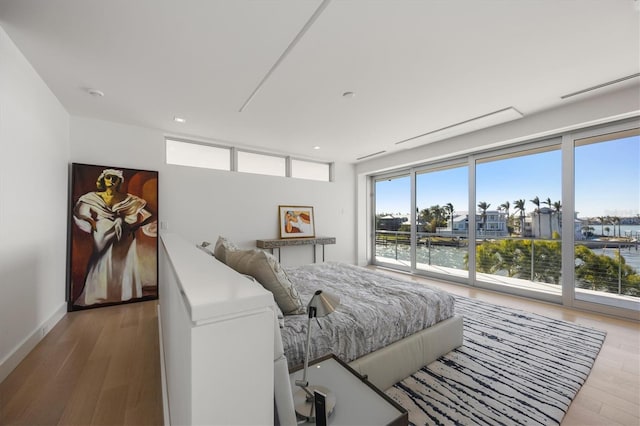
(607, 177)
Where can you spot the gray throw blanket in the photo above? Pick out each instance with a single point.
(375, 310)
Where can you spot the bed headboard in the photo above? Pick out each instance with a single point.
(217, 340)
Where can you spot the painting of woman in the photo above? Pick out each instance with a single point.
(115, 220)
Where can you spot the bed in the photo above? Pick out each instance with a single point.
(219, 330)
(385, 327)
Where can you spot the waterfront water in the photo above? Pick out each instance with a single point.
(453, 257)
(632, 231)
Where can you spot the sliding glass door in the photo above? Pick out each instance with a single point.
(607, 223)
(556, 219)
(393, 218)
(442, 231)
(518, 217)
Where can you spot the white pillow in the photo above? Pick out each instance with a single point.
(267, 271)
(222, 248)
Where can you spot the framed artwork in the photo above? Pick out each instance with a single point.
(113, 236)
(296, 222)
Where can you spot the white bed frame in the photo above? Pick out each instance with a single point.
(391, 364)
(222, 351)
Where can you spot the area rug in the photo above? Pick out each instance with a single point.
(514, 368)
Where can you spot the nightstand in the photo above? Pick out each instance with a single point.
(358, 402)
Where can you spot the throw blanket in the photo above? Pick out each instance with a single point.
(375, 310)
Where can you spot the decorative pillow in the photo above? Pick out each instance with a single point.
(267, 271)
(279, 313)
(222, 248)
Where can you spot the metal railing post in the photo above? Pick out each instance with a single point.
(532, 257)
(396, 235)
(619, 271)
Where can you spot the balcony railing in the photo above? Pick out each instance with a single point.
(521, 259)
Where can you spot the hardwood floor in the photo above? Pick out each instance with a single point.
(102, 367)
(99, 366)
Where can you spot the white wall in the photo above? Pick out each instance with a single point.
(201, 204)
(34, 145)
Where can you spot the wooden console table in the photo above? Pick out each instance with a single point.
(278, 243)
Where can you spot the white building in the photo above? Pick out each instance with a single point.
(494, 224)
(545, 222)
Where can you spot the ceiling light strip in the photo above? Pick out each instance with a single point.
(371, 155)
(472, 124)
(599, 86)
(286, 52)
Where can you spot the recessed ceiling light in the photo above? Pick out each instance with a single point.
(348, 94)
(316, 147)
(179, 120)
(95, 92)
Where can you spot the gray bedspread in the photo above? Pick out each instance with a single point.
(375, 310)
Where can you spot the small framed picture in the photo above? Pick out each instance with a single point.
(296, 222)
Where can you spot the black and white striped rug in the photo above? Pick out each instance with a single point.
(514, 368)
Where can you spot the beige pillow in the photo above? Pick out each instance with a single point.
(222, 248)
(279, 313)
(267, 271)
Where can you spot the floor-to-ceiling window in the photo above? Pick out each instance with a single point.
(392, 242)
(607, 221)
(442, 225)
(555, 219)
(518, 210)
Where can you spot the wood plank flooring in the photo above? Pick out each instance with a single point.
(102, 367)
(95, 367)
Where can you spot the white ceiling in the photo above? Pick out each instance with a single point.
(415, 66)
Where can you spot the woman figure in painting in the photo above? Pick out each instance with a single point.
(112, 218)
(294, 221)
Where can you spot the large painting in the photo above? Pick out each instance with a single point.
(113, 238)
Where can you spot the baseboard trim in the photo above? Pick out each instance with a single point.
(11, 361)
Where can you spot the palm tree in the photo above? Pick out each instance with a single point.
(614, 220)
(425, 219)
(536, 202)
(483, 206)
(519, 206)
(448, 208)
(506, 205)
(549, 203)
(437, 213)
(602, 220)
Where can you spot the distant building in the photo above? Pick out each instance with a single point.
(495, 224)
(390, 223)
(545, 222)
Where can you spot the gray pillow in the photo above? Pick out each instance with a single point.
(222, 248)
(267, 271)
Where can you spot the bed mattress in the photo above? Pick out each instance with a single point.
(375, 310)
